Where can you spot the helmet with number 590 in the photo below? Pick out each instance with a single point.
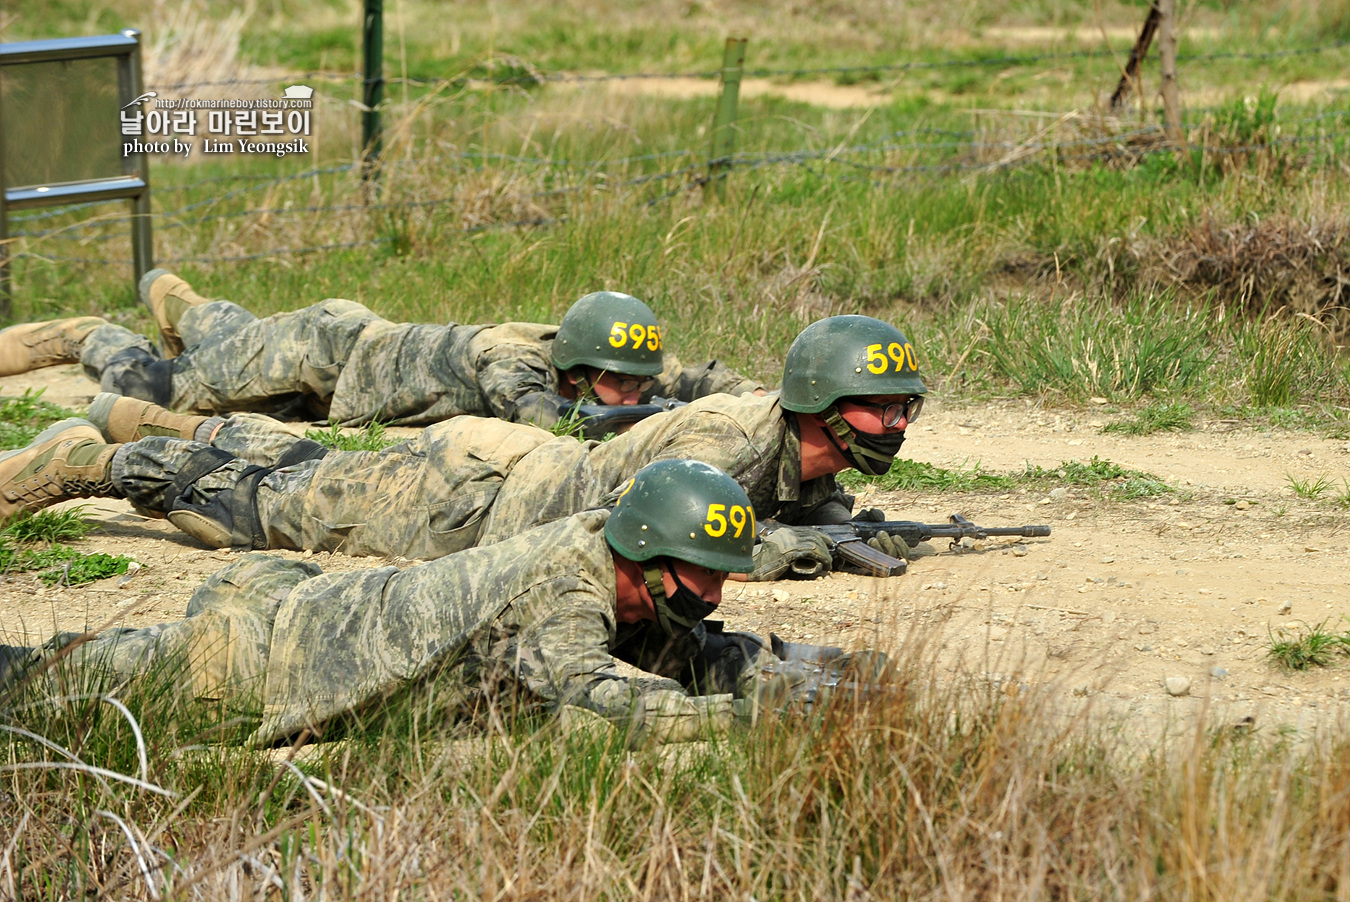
(848, 356)
(687, 510)
(612, 332)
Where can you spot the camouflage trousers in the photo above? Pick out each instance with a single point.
(419, 500)
(236, 361)
(219, 653)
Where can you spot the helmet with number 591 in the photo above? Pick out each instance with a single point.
(687, 510)
(848, 356)
(612, 332)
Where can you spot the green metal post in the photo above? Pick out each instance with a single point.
(724, 125)
(373, 87)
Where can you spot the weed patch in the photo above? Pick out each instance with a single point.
(22, 418)
(55, 563)
(1110, 478)
(370, 437)
(1160, 416)
(1313, 648)
(907, 474)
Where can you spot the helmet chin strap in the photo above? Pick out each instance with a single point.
(672, 624)
(864, 459)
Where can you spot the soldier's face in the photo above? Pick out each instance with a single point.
(707, 583)
(616, 388)
(878, 414)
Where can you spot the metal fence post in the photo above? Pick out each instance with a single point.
(372, 88)
(142, 240)
(724, 124)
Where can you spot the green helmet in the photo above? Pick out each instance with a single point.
(612, 332)
(687, 510)
(843, 356)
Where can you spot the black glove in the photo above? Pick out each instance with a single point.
(871, 515)
(895, 546)
(804, 552)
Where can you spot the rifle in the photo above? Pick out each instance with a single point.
(853, 553)
(849, 550)
(599, 420)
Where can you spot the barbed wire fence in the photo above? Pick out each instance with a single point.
(54, 234)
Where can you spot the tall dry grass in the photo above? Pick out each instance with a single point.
(928, 787)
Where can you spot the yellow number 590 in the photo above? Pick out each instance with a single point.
(878, 363)
(720, 516)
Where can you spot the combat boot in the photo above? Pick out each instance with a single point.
(167, 296)
(67, 460)
(123, 419)
(31, 346)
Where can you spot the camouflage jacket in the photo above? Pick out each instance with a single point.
(536, 612)
(473, 481)
(410, 374)
(749, 437)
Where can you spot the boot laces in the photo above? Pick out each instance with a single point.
(59, 347)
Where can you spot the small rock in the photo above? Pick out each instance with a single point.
(1219, 673)
(1305, 452)
(1207, 649)
(1177, 686)
(779, 595)
(1080, 690)
(1285, 607)
(1108, 560)
(1097, 400)
(1059, 494)
(1019, 551)
(1241, 506)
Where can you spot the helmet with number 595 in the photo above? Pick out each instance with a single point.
(687, 510)
(843, 356)
(612, 332)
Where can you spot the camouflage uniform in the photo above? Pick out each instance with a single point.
(473, 481)
(338, 360)
(282, 641)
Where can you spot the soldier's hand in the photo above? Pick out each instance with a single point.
(871, 515)
(895, 546)
(792, 550)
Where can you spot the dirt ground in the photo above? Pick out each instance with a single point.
(1120, 598)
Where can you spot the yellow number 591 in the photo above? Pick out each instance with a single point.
(737, 517)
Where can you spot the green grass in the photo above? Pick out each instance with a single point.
(370, 437)
(1313, 648)
(32, 543)
(1310, 489)
(1160, 416)
(915, 475)
(23, 417)
(1111, 479)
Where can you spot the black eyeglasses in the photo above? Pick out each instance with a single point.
(891, 414)
(623, 383)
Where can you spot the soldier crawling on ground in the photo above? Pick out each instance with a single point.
(850, 388)
(542, 618)
(336, 360)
